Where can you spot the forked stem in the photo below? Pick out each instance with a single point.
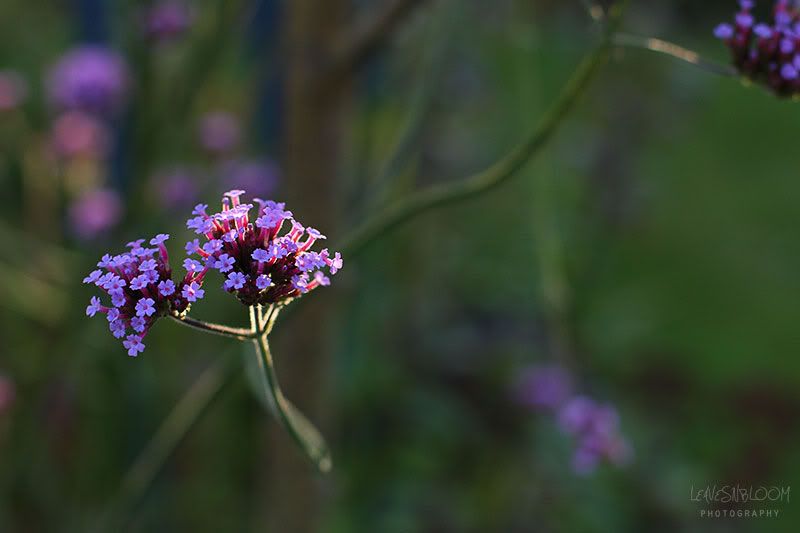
(296, 424)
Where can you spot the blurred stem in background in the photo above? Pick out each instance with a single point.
(169, 435)
(442, 195)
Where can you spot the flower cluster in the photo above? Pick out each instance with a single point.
(139, 283)
(595, 427)
(261, 265)
(766, 53)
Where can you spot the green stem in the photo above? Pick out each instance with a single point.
(241, 334)
(496, 175)
(295, 423)
(678, 52)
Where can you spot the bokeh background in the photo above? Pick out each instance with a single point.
(650, 250)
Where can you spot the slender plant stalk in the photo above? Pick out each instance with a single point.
(368, 41)
(496, 175)
(241, 334)
(678, 52)
(152, 458)
(295, 423)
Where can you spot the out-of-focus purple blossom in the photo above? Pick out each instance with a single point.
(13, 90)
(259, 177)
(263, 265)
(765, 51)
(175, 188)
(595, 428)
(93, 79)
(8, 393)
(95, 212)
(545, 387)
(219, 132)
(76, 134)
(168, 20)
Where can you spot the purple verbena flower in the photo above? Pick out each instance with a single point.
(166, 288)
(235, 281)
(138, 324)
(264, 264)
(192, 292)
(141, 290)
(762, 51)
(94, 306)
(224, 263)
(134, 345)
(145, 307)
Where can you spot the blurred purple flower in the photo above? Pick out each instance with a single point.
(8, 393)
(77, 134)
(13, 90)
(168, 20)
(175, 188)
(95, 212)
(260, 177)
(546, 386)
(219, 132)
(596, 430)
(93, 79)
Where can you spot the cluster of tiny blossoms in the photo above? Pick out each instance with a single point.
(766, 53)
(593, 426)
(139, 284)
(260, 265)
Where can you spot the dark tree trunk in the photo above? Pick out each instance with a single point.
(313, 129)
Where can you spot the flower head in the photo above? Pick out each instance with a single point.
(765, 51)
(262, 261)
(139, 283)
(192, 292)
(134, 345)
